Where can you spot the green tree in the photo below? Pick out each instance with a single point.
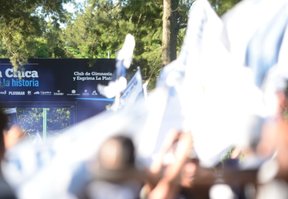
(96, 32)
(174, 18)
(22, 21)
(173, 22)
(50, 44)
(99, 31)
(146, 16)
(101, 28)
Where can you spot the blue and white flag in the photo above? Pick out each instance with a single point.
(133, 91)
(243, 21)
(262, 25)
(263, 48)
(277, 76)
(123, 61)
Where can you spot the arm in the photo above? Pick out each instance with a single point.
(168, 184)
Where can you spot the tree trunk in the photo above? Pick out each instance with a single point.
(170, 31)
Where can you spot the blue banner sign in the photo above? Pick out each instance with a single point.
(58, 86)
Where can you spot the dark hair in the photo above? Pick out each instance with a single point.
(128, 153)
(125, 149)
(3, 126)
(3, 120)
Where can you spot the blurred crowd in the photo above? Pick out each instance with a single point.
(257, 172)
(210, 103)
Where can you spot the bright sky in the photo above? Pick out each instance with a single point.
(70, 6)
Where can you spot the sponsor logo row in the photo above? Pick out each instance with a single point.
(49, 93)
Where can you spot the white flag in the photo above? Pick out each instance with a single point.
(207, 87)
(123, 61)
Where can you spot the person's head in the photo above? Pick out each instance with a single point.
(3, 127)
(114, 171)
(117, 153)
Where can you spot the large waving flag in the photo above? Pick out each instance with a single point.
(205, 87)
(185, 80)
(262, 25)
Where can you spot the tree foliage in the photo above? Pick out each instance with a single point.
(31, 28)
(100, 30)
(23, 21)
(95, 33)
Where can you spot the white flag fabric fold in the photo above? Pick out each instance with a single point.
(262, 24)
(277, 77)
(202, 19)
(244, 19)
(263, 47)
